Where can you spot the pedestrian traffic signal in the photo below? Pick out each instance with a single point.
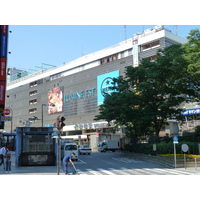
(60, 122)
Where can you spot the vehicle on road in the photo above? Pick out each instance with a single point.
(108, 145)
(84, 149)
(67, 147)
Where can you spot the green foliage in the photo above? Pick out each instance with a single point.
(154, 139)
(197, 130)
(150, 94)
(164, 147)
(192, 51)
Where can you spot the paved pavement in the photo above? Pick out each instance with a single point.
(30, 170)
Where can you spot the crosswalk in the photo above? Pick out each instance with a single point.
(126, 171)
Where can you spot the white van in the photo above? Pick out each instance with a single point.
(68, 148)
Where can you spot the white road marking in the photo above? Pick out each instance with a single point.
(119, 171)
(93, 172)
(81, 172)
(127, 160)
(82, 161)
(105, 171)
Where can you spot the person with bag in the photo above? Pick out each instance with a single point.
(7, 160)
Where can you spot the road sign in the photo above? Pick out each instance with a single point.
(6, 111)
(175, 140)
(184, 148)
(6, 118)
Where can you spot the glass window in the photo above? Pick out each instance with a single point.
(70, 147)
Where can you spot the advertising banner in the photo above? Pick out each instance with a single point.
(2, 69)
(4, 29)
(55, 100)
(3, 60)
(3, 46)
(105, 84)
(2, 92)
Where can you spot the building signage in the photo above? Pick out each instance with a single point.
(3, 46)
(2, 92)
(194, 111)
(3, 63)
(2, 69)
(6, 118)
(55, 100)
(93, 125)
(105, 84)
(80, 95)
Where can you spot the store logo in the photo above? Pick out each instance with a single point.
(107, 86)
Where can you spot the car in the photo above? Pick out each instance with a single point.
(84, 149)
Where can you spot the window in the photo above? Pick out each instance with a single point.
(34, 101)
(56, 76)
(33, 84)
(33, 93)
(32, 110)
(152, 58)
(122, 54)
(150, 45)
(71, 147)
(108, 59)
(129, 52)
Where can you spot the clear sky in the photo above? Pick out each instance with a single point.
(32, 45)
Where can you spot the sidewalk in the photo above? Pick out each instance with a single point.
(30, 170)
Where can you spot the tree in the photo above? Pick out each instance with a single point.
(192, 55)
(150, 94)
(192, 51)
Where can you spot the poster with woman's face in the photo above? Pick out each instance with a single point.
(55, 100)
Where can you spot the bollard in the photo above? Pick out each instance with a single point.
(195, 163)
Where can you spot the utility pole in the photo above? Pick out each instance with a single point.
(59, 156)
(60, 125)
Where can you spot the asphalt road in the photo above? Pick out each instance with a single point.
(110, 163)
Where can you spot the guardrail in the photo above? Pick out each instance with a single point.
(168, 162)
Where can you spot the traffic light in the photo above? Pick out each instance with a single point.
(60, 122)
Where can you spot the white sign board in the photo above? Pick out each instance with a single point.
(184, 147)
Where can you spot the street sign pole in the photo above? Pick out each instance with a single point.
(185, 149)
(6, 112)
(174, 154)
(175, 139)
(58, 153)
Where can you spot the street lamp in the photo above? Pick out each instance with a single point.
(51, 104)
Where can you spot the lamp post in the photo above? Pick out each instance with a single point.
(42, 117)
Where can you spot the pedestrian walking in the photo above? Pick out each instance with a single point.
(7, 160)
(2, 154)
(66, 160)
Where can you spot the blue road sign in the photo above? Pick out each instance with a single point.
(175, 139)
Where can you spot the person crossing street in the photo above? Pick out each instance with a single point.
(66, 160)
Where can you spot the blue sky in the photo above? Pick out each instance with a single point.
(32, 45)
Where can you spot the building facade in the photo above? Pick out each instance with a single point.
(76, 89)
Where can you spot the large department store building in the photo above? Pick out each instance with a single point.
(75, 89)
